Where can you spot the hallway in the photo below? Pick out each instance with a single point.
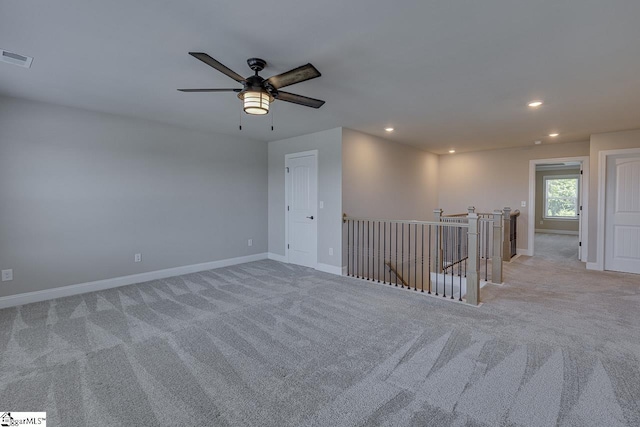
(560, 247)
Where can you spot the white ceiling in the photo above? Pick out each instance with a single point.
(446, 74)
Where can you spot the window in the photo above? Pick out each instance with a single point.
(561, 197)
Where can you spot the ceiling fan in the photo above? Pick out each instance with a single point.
(257, 93)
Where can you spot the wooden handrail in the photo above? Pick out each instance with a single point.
(406, 221)
(393, 270)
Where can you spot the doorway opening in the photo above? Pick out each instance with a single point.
(558, 206)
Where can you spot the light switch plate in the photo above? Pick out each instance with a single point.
(7, 275)
(523, 204)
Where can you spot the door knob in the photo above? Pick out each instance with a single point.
(310, 217)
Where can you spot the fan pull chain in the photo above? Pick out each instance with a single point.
(240, 126)
(272, 114)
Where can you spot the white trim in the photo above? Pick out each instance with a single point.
(329, 269)
(602, 170)
(339, 271)
(600, 220)
(557, 167)
(584, 160)
(548, 231)
(277, 257)
(594, 266)
(100, 285)
(315, 155)
(525, 252)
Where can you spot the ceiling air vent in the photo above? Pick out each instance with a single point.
(15, 59)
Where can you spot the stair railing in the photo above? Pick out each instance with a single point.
(510, 243)
(490, 240)
(434, 257)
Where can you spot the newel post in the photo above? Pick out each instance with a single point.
(506, 245)
(473, 274)
(471, 209)
(496, 258)
(437, 213)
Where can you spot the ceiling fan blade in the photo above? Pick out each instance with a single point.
(210, 90)
(299, 99)
(217, 65)
(297, 75)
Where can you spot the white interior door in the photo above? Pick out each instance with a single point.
(622, 215)
(302, 191)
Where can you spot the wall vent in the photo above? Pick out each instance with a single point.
(15, 59)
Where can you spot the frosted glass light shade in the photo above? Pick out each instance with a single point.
(256, 102)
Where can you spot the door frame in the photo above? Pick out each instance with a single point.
(602, 193)
(583, 235)
(287, 184)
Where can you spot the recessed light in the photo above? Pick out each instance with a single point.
(535, 104)
(452, 151)
(553, 135)
(538, 142)
(389, 129)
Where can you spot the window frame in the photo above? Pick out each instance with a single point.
(546, 201)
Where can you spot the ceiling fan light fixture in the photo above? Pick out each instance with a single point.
(257, 93)
(256, 102)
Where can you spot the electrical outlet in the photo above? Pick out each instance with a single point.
(541, 222)
(7, 275)
(321, 204)
(250, 242)
(137, 258)
(331, 251)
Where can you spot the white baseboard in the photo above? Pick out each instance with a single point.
(277, 257)
(594, 266)
(329, 269)
(100, 285)
(544, 230)
(525, 252)
(340, 271)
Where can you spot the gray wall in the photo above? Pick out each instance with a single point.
(552, 225)
(603, 142)
(328, 143)
(496, 178)
(387, 180)
(81, 192)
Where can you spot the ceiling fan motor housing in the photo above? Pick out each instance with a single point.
(257, 84)
(256, 64)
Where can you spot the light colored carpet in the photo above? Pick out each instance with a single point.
(271, 344)
(560, 247)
